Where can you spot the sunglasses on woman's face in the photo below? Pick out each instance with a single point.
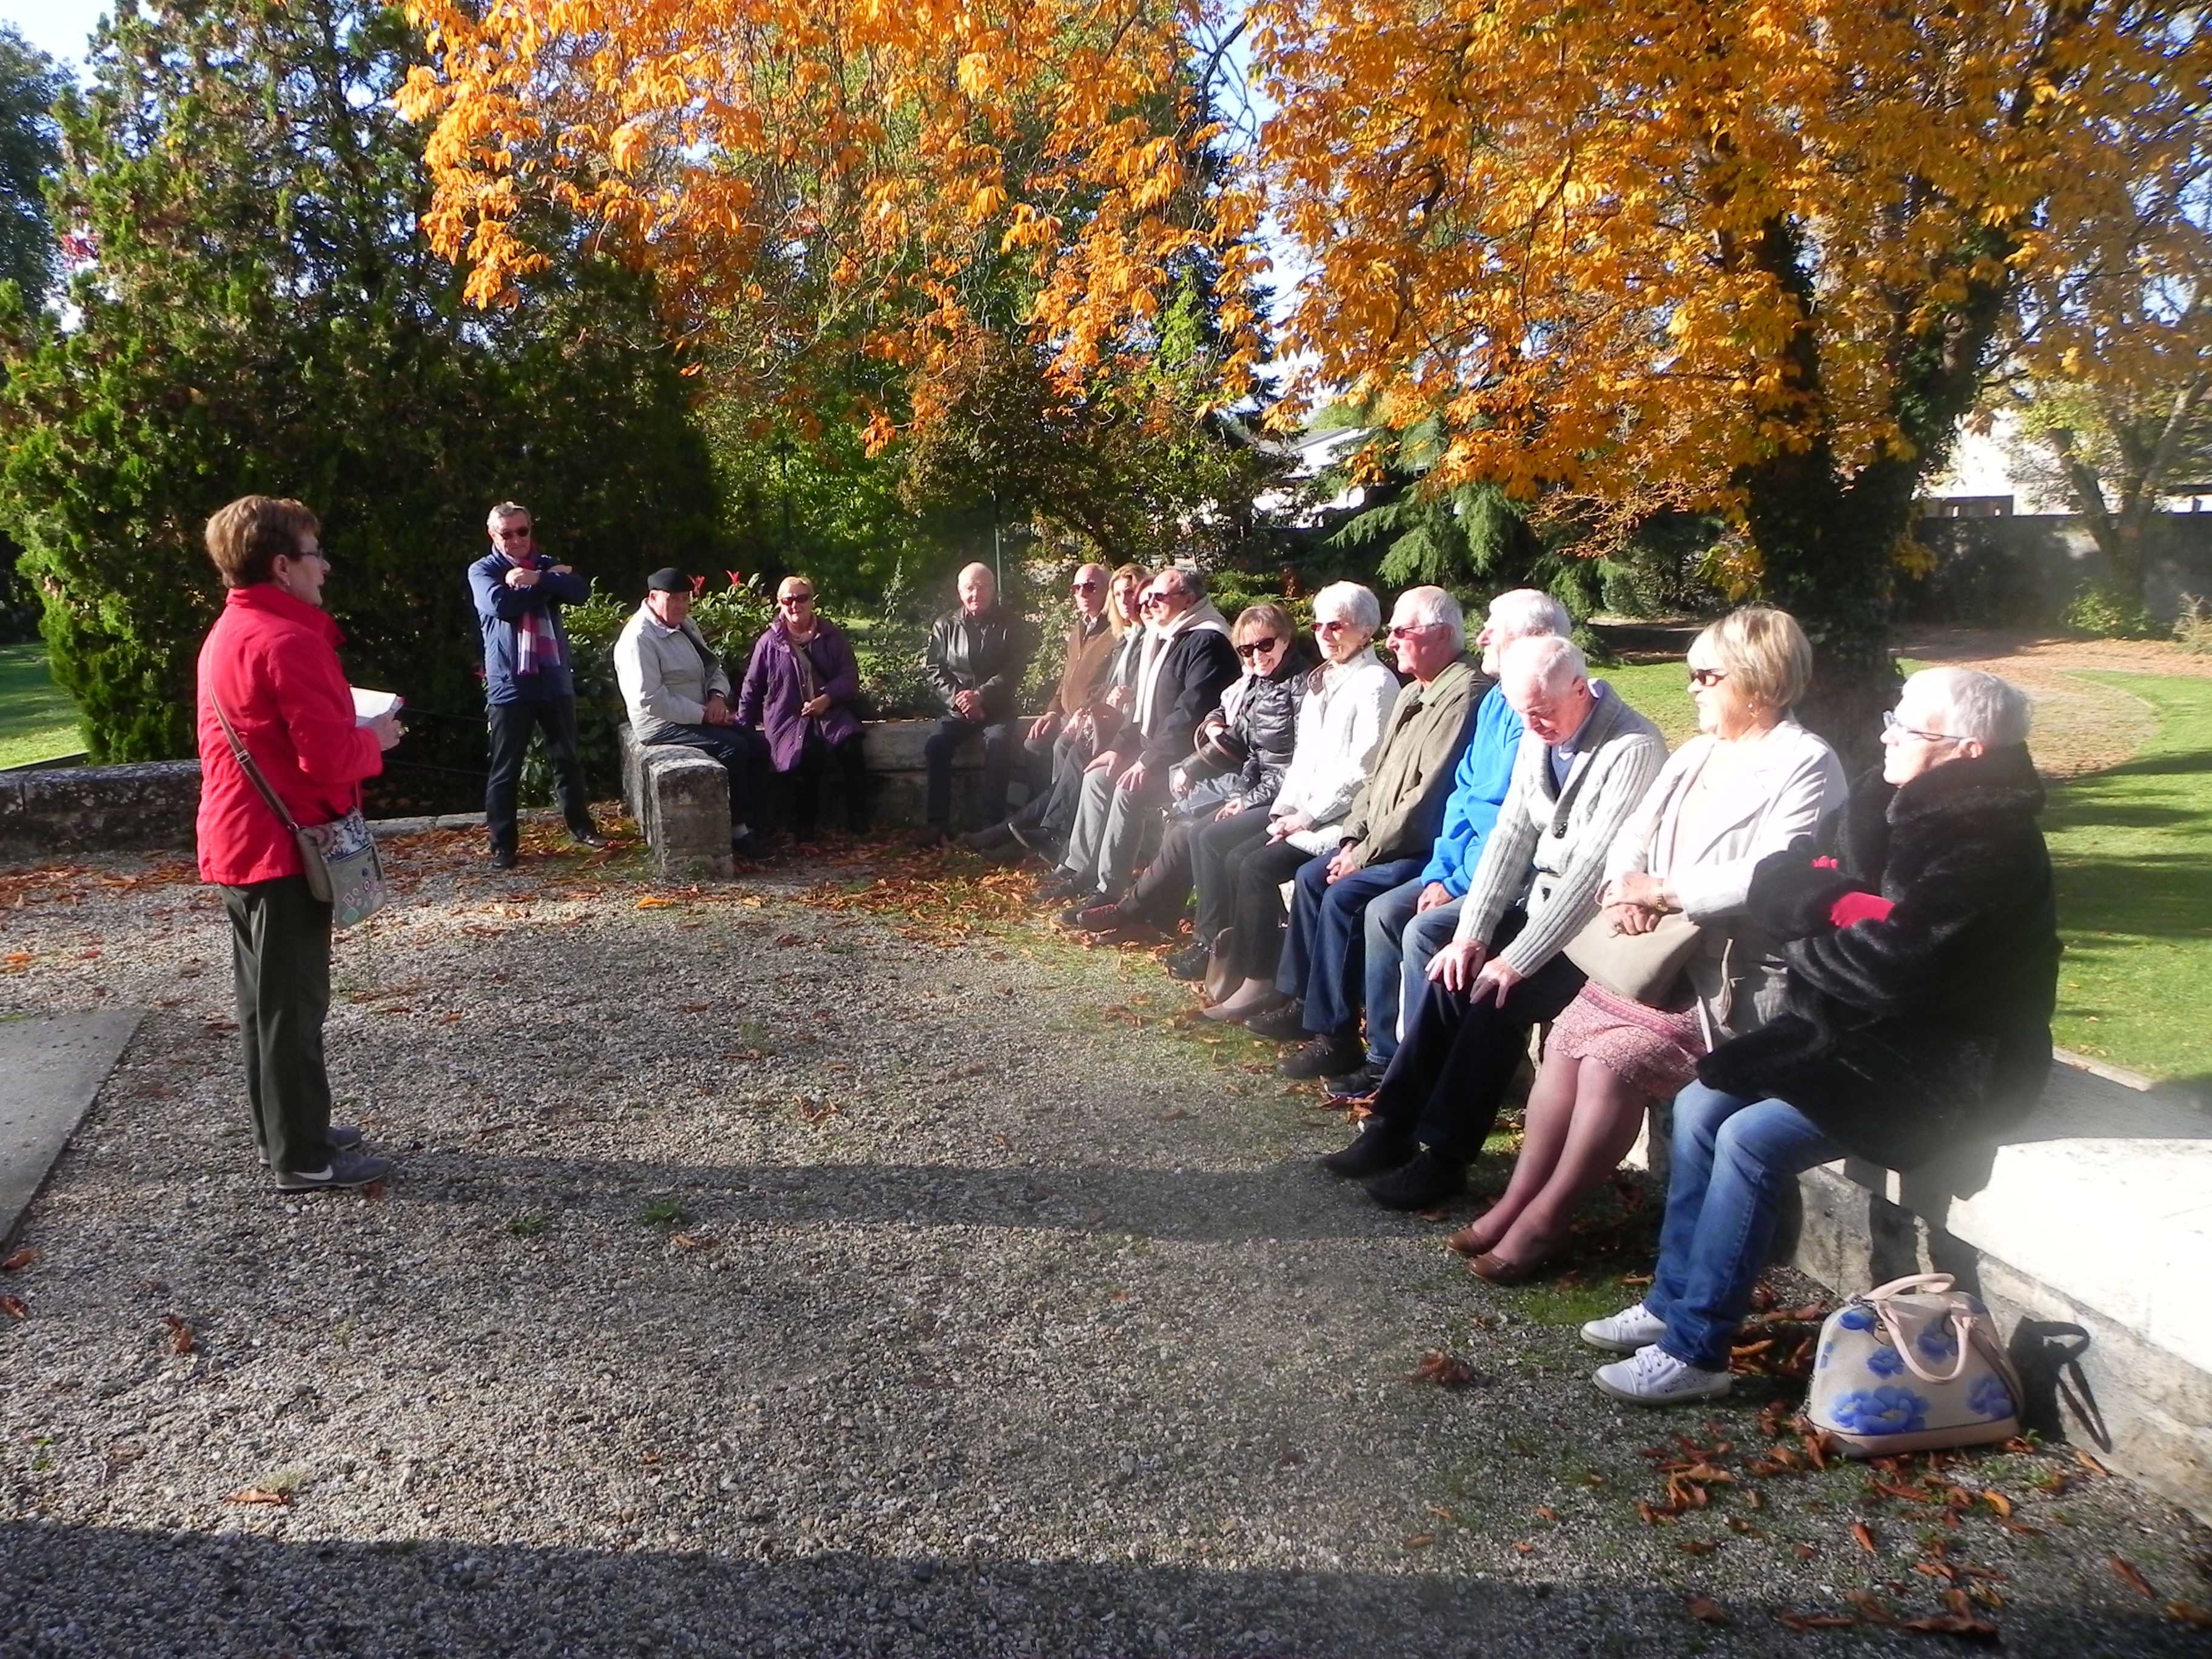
(1258, 648)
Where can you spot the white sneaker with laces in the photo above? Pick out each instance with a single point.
(1652, 1376)
(1625, 1331)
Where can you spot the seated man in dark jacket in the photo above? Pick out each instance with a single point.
(1187, 663)
(975, 658)
(1924, 968)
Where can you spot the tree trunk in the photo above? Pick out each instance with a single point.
(1826, 553)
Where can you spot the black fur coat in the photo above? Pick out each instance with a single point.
(1902, 1036)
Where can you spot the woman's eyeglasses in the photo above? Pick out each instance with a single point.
(1258, 648)
(1706, 678)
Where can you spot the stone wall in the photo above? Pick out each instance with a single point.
(2025, 570)
(49, 812)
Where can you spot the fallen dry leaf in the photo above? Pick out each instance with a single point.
(260, 1495)
(2189, 1614)
(1697, 1546)
(14, 1308)
(2000, 1503)
(1871, 1605)
(181, 1333)
(1420, 1541)
(1705, 1607)
(2087, 1462)
(1804, 1551)
(2133, 1579)
(1954, 1624)
(1444, 1371)
(694, 1241)
(1524, 1549)
(1864, 1534)
(18, 1259)
(1801, 1622)
(1546, 1513)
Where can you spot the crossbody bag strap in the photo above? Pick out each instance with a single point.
(245, 764)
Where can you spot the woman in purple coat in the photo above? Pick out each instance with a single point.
(799, 689)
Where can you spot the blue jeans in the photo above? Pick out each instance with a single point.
(1732, 1158)
(1325, 950)
(1398, 945)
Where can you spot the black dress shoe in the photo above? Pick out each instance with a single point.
(1060, 886)
(1426, 1181)
(1189, 963)
(988, 839)
(1360, 1083)
(502, 858)
(591, 838)
(1377, 1151)
(1327, 1055)
(1284, 1024)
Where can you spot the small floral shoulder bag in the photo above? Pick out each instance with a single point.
(1911, 1366)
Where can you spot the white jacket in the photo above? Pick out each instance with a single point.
(1793, 782)
(1340, 730)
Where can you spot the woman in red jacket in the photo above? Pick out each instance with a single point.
(271, 661)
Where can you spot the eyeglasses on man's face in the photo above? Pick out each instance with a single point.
(1258, 648)
(513, 533)
(1893, 726)
(1083, 587)
(1407, 631)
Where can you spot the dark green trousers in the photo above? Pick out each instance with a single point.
(280, 954)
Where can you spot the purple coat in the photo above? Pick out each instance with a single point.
(773, 692)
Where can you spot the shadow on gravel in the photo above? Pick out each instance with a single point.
(1286, 1200)
(81, 1591)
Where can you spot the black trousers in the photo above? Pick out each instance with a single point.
(1257, 869)
(744, 756)
(1451, 1071)
(1197, 846)
(509, 725)
(802, 784)
(1002, 741)
(1050, 811)
(280, 959)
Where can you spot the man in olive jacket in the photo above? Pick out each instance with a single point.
(1387, 836)
(975, 658)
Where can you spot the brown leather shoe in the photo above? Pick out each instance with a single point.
(1498, 1270)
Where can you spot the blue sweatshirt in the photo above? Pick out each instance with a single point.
(1478, 788)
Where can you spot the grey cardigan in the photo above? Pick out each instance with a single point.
(1553, 859)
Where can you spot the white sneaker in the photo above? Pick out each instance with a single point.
(1625, 1331)
(1652, 1376)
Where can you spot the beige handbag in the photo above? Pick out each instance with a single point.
(1913, 1365)
(1642, 966)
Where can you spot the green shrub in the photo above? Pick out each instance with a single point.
(2099, 614)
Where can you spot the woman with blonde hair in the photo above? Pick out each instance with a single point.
(1749, 784)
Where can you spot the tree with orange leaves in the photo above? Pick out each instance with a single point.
(1750, 255)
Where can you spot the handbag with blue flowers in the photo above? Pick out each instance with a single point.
(1911, 1366)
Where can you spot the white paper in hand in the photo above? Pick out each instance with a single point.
(368, 705)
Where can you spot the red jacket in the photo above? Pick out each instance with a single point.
(273, 661)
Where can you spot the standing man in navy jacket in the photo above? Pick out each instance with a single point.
(529, 679)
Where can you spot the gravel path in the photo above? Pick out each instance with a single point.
(766, 1277)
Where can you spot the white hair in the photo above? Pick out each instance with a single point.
(1993, 713)
(1547, 659)
(1527, 613)
(1348, 602)
(1429, 606)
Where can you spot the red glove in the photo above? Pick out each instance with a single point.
(1859, 907)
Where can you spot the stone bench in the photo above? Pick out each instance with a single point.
(685, 813)
(2088, 1229)
(147, 807)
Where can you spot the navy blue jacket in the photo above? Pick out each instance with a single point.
(499, 607)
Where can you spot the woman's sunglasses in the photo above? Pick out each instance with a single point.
(1258, 648)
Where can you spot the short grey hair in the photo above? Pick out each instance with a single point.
(1527, 613)
(507, 510)
(1348, 602)
(1189, 581)
(1993, 712)
(1550, 660)
(1429, 606)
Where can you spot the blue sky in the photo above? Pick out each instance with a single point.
(59, 26)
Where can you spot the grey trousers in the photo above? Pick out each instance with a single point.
(280, 955)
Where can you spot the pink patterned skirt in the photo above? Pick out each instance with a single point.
(1652, 1051)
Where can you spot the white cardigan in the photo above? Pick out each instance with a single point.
(1794, 781)
(1340, 730)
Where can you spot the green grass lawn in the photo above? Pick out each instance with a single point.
(37, 721)
(1660, 692)
(2133, 851)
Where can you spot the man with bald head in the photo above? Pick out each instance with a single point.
(1585, 760)
(975, 658)
(1057, 740)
